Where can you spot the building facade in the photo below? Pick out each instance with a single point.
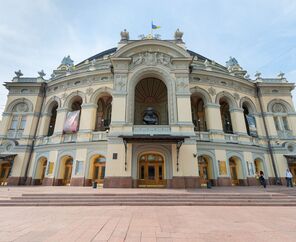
(148, 113)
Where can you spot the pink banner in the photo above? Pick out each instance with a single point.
(71, 124)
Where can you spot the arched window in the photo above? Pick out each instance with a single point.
(249, 120)
(73, 117)
(52, 119)
(198, 113)
(19, 117)
(225, 116)
(103, 118)
(280, 119)
(151, 102)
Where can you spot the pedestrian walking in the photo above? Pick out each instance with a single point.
(262, 179)
(289, 177)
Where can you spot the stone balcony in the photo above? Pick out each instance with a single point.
(285, 134)
(73, 137)
(15, 134)
(151, 130)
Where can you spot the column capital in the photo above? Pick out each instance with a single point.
(212, 105)
(88, 105)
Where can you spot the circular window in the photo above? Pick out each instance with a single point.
(290, 147)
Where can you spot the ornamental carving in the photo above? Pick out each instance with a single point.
(21, 108)
(89, 91)
(151, 59)
(236, 96)
(212, 91)
(278, 108)
(120, 83)
(182, 84)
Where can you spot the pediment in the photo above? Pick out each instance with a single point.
(159, 48)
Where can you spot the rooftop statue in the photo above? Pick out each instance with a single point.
(231, 62)
(124, 35)
(41, 74)
(18, 73)
(178, 35)
(67, 61)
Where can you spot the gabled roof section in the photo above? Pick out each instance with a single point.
(100, 55)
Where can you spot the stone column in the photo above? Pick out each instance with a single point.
(213, 117)
(60, 120)
(43, 125)
(88, 117)
(270, 125)
(238, 121)
(292, 122)
(31, 122)
(120, 68)
(6, 117)
(184, 115)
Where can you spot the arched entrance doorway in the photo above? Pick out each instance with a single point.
(236, 171)
(205, 170)
(292, 167)
(258, 166)
(151, 170)
(4, 172)
(40, 171)
(98, 170)
(233, 171)
(67, 174)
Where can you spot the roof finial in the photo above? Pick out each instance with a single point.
(124, 35)
(18, 73)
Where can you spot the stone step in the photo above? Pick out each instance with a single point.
(149, 198)
(151, 203)
(155, 194)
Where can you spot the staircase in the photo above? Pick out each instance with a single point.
(151, 199)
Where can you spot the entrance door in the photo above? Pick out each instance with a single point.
(68, 172)
(292, 168)
(233, 172)
(151, 171)
(99, 172)
(43, 171)
(4, 172)
(203, 170)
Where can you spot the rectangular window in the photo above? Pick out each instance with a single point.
(285, 122)
(14, 122)
(23, 123)
(276, 123)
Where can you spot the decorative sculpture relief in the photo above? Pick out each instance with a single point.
(182, 84)
(89, 91)
(21, 108)
(236, 96)
(151, 58)
(120, 83)
(212, 91)
(278, 108)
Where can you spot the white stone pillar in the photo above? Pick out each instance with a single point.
(43, 125)
(60, 120)
(213, 117)
(238, 121)
(88, 117)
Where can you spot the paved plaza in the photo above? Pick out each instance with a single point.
(143, 223)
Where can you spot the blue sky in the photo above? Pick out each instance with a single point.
(37, 34)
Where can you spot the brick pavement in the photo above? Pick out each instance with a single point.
(145, 223)
(148, 224)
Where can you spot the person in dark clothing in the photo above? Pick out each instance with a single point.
(262, 179)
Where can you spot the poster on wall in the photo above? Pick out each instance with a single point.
(72, 122)
(252, 125)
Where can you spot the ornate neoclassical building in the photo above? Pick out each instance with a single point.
(148, 113)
